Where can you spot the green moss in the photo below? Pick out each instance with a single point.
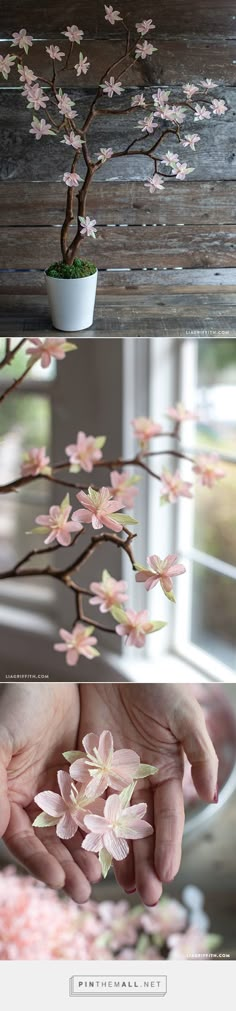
(80, 268)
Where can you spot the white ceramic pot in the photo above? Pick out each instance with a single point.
(72, 301)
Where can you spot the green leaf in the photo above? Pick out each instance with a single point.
(213, 941)
(37, 530)
(140, 568)
(105, 861)
(93, 495)
(157, 625)
(146, 770)
(74, 468)
(119, 614)
(70, 347)
(100, 441)
(71, 756)
(126, 794)
(65, 501)
(123, 518)
(44, 820)
(170, 595)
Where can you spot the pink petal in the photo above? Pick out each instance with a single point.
(89, 742)
(65, 634)
(97, 785)
(42, 520)
(112, 807)
(96, 522)
(83, 515)
(105, 747)
(64, 783)
(92, 842)
(66, 827)
(79, 771)
(133, 812)
(64, 538)
(138, 830)
(50, 802)
(60, 647)
(118, 848)
(72, 657)
(96, 823)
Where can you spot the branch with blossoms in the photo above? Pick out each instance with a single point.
(102, 509)
(62, 120)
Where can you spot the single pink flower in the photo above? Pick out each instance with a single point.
(104, 154)
(145, 429)
(58, 524)
(112, 15)
(182, 170)
(147, 125)
(77, 643)
(102, 767)
(208, 84)
(190, 90)
(180, 413)
(118, 824)
(160, 98)
(65, 106)
(171, 160)
(35, 462)
(73, 140)
(65, 810)
(22, 40)
(201, 113)
(160, 572)
(46, 349)
(85, 452)
(144, 49)
(218, 106)
(40, 128)
(208, 469)
(138, 100)
(112, 87)
(154, 183)
(36, 97)
(190, 140)
(74, 34)
(6, 63)
(88, 226)
(135, 626)
(109, 592)
(173, 486)
(124, 487)
(145, 26)
(82, 66)
(71, 178)
(55, 53)
(99, 508)
(25, 74)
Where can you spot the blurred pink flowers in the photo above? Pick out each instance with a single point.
(85, 452)
(109, 592)
(48, 348)
(124, 486)
(118, 824)
(99, 508)
(79, 642)
(208, 469)
(173, 487)
(58, 523)
(144, 429)
(35, 462)
(180, 413)
(160, 572)
(101, 766)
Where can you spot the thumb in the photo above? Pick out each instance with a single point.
(190, 729)
(6, 747)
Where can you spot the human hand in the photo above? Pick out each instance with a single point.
(161, 723)
(38, 723)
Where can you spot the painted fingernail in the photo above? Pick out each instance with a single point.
(129, 891)
(216, 796)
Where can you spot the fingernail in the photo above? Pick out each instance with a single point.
(129, 891)
(216, 796)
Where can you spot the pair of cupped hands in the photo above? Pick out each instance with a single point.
(160, 722)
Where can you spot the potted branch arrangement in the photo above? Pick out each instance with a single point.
(101, 510)
(56, 115)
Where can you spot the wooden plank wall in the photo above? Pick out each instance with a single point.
(191, 225)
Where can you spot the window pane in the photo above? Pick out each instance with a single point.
(213, 626)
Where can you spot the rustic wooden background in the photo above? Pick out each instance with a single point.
(186, 235)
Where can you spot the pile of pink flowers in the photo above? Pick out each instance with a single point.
(36, 923)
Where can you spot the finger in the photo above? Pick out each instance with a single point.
(169, 822)
(26, 847)
(125, 872)
(147, 883)
(190, 728)
(5, 757)
(76, 883)
(87, 862)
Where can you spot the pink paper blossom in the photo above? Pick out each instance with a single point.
(190, 140)
(154, 183)
(160, 572)
(208, 469)
(146, 125)
(138, 100)
(112, 15)
(144, 429)
(135, 626)
(168, 916)
(208, 84)
(58, 523)
(65, 106)
(182, 170)
(79, 642)
(218, 106)
(104, 154)
(71, 178)
(40, 128)
(145, 26)
(173, 487)
(55, 53)
(36, 97)
(74, 34)
(6, 63)
(144, 49)
(171, 160)
(124, 486)
(65, 810)
(82, 66)
(180, 413)
(190, 90)
(112, 87)
(35, 462)
(160, 98)
(46, 349)
(73, 140)
(25, 74)
(22, 40)
(102, 767)
(99, 508)
(194, 941)
(85, 452)
(201, 112)
(109, 592)
(118, 824)
(88, 226)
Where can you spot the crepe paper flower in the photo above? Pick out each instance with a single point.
(218, 106)
(48, 348)
(101, 509)
(36, 97)
(6, 63)
(144, 49)
(65, 810)
(171, 160)
(85, 452)
(73, 140)
(82, 66)
(135, 625)
(160, 571)
(146, 125)
(144, 429)
(25, 74)
(22, 40)
(201, 112)
(71, 178)
(74, 34)
(182, 170)
(180, 413)
(35, 462)
(119, 823)
(123, 485)
(112, 15)
(193, 942)
(104, 154)
(65, 105)
(112, 87)
(173, 487)
(109, 592)
(88, 226)
(160, 98)
(190, 140)
(100, 767)
(208, 469)
(145, 26)
(190, 90)
(121, 929)
(208, 84)
(58, 524)
(154, 183)
(40, 128)
(138, 100)
(55, 53)
(79, 642)
(164, 918)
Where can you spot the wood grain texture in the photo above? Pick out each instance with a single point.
(206, 282)
(211, 17)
